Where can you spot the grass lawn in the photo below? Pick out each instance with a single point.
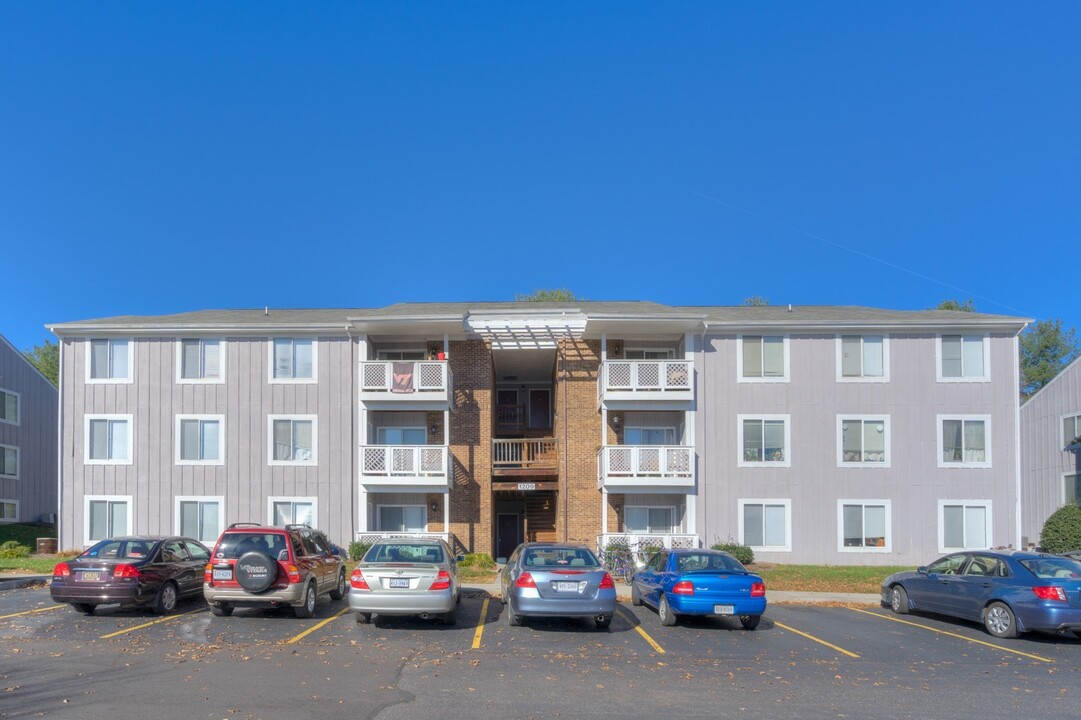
(33, 565)
(824, 578)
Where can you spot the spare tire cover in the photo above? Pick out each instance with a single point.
(256, 571)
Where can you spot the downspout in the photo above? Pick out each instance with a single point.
(354, 396)
(566, 447)
(60, 452)
(1017, 436)
(701, 420)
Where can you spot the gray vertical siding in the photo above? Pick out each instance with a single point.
(35, 436)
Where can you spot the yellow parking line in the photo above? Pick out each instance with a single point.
(955, 635)
(480, 624)
(315, 627)
(152, 622)
(31, 612)
(820, 641)
(641, 632)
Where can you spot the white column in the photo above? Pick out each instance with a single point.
(362, 438)
(446, 346)
(692, 518)
(446, 512)
(604, 511)
(363, 510)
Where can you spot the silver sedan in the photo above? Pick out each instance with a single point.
(557, 580)
(406, 577)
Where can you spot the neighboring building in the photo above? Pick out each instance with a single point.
(28, 440)
(1051, 473)
(813, 434)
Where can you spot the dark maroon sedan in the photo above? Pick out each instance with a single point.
(150, 571)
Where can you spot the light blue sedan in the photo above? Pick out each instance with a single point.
(557, 580)
(699, 582)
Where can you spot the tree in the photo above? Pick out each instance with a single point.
(966, 306)
(1046, 348)
(755, 301)
(46, 358)
(556, 295)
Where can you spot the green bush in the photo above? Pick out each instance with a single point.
(357, 549)
(1062, 531)
(741, 552)
(12, 550)
(480, 561)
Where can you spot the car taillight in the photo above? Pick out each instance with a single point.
(607, 583)
(1050, 592)
(357, 581)
(525, 580)
(684, 587)
(126, 571)
(208, 573)
(61, 570)
(758, 589)
(293, 572)
(442, 581)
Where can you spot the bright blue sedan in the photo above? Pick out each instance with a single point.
(699, 582)
(1009, 592)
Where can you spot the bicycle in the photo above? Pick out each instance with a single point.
(620, 562)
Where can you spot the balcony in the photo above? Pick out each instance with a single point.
(513, 459)
(644, 545)
(636, 466)
(414, 385)
(658, 384)
(416, 466)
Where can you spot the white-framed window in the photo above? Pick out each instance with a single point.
(292, 511)
(649, 435)
(199, 517)
(9, 462)
(764, 440)
(105, 516)
(633, 353)
(964, 441)
(292, 439)
(863, 441)
(109, 360)
(964, 525)
(108, 440)
(863, 358)
(762, 358)
(9, 510)
(400, 355)
(9, 406)
(766, 524)
(200, 360)
(1071, 488)
(402, 518)
(863, 526)
(293, 360)
(963, 358)
(649, 519)
(1071, 429)
(401, 436)
(199, 439)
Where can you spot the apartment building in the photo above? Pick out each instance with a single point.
(28, 440)
(813, 434)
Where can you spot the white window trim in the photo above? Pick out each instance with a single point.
(841, 547)
(131, 439)
(986, 504)
(291, 499)
(381, 354)
(18, 461)
(987, 442)
(1063, 440)
(181, 380)
(384, 428)
(787, 503)
(18, 512)
(673, 509)
(884, 419)
(87, 499)
(634, 348)
(88, 353)
(986, 377)
(739, 361)
(19, 408)
(664, 428)
(1062, 486)
(787, 462)
(863, 378)
(293, 463)
(292, 381)
(219, 499)
(379, 508)
(221, 439)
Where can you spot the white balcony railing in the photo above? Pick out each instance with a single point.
(638, 465)
(647, 380)
(404, 464)
(419, 381)
(643, 545)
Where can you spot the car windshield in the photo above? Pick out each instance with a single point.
(234, 544)
(1054, 568)
(393, 552)
(119, 550)
(715, 562)
(559, 557)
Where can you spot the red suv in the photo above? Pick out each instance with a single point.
(254, 565)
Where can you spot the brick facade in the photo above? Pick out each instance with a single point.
(471, 444)
(578, 429)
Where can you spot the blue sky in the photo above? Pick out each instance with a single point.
(164, 157)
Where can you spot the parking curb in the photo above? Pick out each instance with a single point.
(22, 581)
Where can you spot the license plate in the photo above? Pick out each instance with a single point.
(566, 587)
(399, 582)
(223, 574)
(724, 609)
(94, 576)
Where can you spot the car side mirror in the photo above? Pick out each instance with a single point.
(922, 569)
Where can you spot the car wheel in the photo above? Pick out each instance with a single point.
(449, 618)
(339, 591)
(636, 597)
(899, 600)
(750, 622)
(222, 609)
(166, 600)
(668, 618)
(602, 621)
(308, 608)
(84, 608)
(1000, 621)
(363, 618)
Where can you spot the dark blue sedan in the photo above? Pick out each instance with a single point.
(699, 582)
(1009, 592)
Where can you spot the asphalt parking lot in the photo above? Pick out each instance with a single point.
(802, 661)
